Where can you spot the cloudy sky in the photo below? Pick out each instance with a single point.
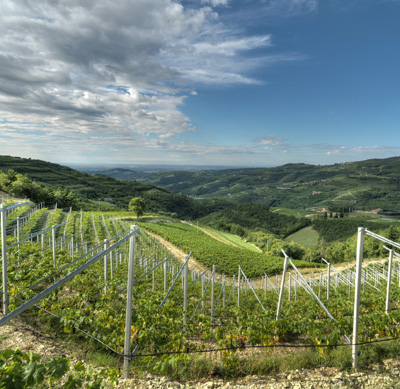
(200, 82)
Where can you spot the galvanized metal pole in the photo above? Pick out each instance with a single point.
(389, 281)
(53, 241)
(212, 293)
(129, 296)
(238, 289)
(185, 292)
(223, 293)
(359, 258)
(4, 257)
(328, 285)
(165, 276)
(105, 267)
(202, 292)
(111, 265)
(285, 265)
(319, 286)
(18, 235)
(398, 272)
(265, 286)
(154, 275)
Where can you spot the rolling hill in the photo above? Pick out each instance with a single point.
(91, 187)
(369, 184)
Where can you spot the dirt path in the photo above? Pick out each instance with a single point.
(211, 235)
(199, 267)
(179, 254)
(219, 239)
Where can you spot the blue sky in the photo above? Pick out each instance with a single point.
(206, 82)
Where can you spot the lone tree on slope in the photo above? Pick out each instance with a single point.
(138, 206)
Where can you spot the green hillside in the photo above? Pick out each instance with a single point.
(254, 217)
(366, 184)
(88, 187)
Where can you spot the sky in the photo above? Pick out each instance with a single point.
(200, 82)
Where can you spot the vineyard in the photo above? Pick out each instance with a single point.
(79, 273)
(210, 251)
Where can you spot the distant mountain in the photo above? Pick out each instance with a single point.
(100, 187)
(369, 184)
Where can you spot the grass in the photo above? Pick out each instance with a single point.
(103, 203)
(307, 237)
(102, 358)
(290, 212)
(233, 240)
(236, 365)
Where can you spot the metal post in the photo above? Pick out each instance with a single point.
(398, 273)
(18, 235)
(212, 293)
(111, 265)
(285, 265)
(233, 288)
(265, 286)
(202, 292)
(328, 285)
(185, 291)
(389, 281)
(223, 291)
(53, 241)
(320, 282)
(290, 285)
(360, 245)
(154, 275)
(4, 258)
(238, 289)
(72, 248)
(105, 267)
(129, 296)
(165, 276)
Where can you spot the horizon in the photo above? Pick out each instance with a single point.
(210, 83)
(152, 168)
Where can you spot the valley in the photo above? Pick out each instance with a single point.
(233, 299)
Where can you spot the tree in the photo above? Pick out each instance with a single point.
(138, 206)
(4, 181)
(21, 186)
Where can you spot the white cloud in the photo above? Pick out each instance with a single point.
(87, 78)
(215, 3)
(105, 67)
(270, 140)
(289, 7)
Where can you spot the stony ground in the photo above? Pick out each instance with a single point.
(387, 376)
(25, 337)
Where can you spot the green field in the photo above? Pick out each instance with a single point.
(306, 237)
(233, 240)
(290, 212)
(209, 251)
